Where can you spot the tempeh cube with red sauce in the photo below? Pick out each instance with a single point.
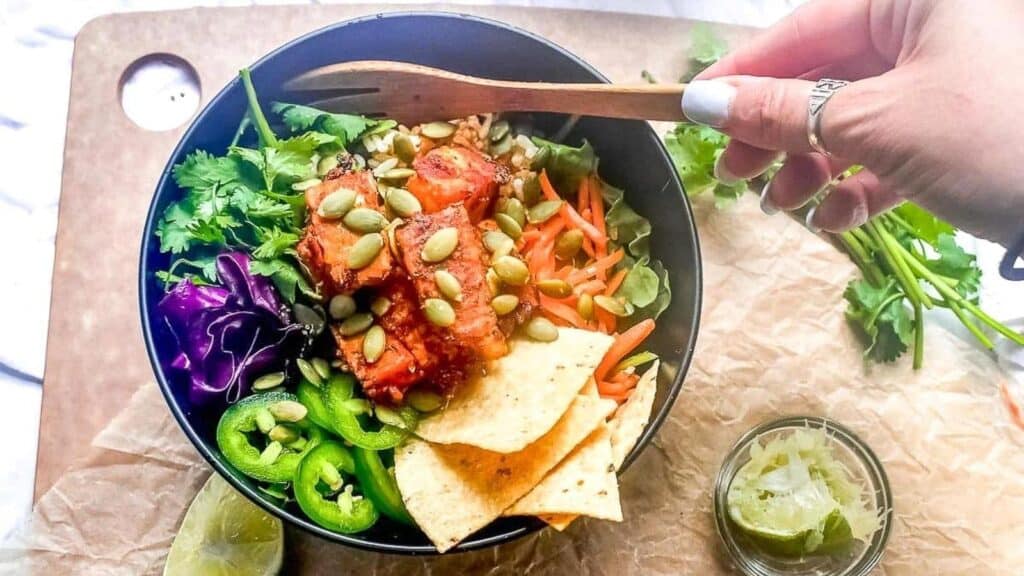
(451, 174)
(476, 325)
(326, 243)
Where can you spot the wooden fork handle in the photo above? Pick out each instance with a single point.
(633, 101)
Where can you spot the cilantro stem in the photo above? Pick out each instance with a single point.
(870, 322)
(971, 327)
(897, 252)
(267, 137)
(918, 336)
(954, 297)
(861, 258)
(905, 280)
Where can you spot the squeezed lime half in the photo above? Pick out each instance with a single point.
(795, 498)
(223, 533)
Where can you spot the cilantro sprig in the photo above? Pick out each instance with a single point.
(250, 197)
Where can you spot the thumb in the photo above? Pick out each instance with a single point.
(771, 113)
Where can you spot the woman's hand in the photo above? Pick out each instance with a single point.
(934, 110)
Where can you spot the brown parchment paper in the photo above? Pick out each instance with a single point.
(773, 342)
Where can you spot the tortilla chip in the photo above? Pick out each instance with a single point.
(584, 483)
(521, 396)
(451, 491)
(624, 429)
(590, 388)
(632, 417)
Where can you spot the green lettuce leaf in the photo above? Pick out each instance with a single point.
(566, 165)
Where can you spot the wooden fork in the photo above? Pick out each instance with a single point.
(412, 93)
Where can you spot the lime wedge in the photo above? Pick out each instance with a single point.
(223, 533)
(794, 499)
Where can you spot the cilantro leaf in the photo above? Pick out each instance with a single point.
(347, 128)
(926, 226)
(956, 265)
(275, 243)
(203, 170)
(694, 150)
(706, 48)
(307, 143)
(880, 317)
(276, 165)
(285, 276)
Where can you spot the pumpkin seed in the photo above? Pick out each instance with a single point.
(337, 204)
(531, 191)
(498, 243)
(270, 454)
(493, 282)
(323, 369)
(326, 164)
(540, 159)
(373, 344)
(424, 401)
(554, 287)
(437, 130)
(358, 406)
(402, 202)
(569, 244)
(268, 381)
(365, 220)
(508, 225)
(514, 208)
(341, 306)
(439, 312)
(498, 130)
(389, 416)
(390, 233)
(384, 167)
(265, 420)
(308, 317)
(504, 304)
(511, 270)
(404, 148)
(308, 372)
(448, 285)
(543, 211)
(355, 324)
(501, 147)
(380, 305)
(305, 184)
(398, 174)
(365, 250)
(541, 329)
(611, 305)
(440, 245)
(283, 433)
(585, 306)
(330, 475)
(287, 411)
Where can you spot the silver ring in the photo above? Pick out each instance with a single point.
(823, 90)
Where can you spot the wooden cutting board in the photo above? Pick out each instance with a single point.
(95, 355)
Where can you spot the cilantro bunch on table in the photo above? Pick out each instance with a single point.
(909, 259)
(251, 197)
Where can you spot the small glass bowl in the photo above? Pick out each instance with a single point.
(864, 468)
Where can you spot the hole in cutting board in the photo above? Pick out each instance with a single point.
(160, 92)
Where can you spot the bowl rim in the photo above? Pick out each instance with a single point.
(469, 544)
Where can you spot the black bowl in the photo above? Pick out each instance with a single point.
(632, 157)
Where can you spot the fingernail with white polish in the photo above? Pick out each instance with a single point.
(809, 220)
(722, 173)
(767, 206)
(707, 102)
(859, 216)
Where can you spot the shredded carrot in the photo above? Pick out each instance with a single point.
(563, 311)
(569, 213)
(592, 287)
(605, 263)
(624, 344)
(615, 282)
(619, 397)
(588, 247)
(618, 386)
(530, 235)
(538, 257)
(583, 196)
(551, 230)
(597, 209)
(620, 377)
(605, 320)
